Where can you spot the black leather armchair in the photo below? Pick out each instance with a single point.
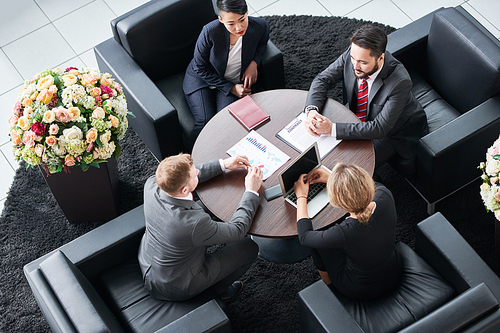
(445, 287)
(151, 48)
(94, 284)
(454, 63)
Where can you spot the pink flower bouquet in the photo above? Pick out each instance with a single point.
(490, 189)
(67, 118)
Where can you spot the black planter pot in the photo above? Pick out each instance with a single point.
(90, 196)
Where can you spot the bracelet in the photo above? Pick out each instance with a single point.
(302, 196)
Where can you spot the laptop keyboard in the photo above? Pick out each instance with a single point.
(314, 189)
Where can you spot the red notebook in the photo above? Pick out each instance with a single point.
(248, 113)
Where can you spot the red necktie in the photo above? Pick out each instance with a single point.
(362, 100)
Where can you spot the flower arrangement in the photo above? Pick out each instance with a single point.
(65, 118)
(490, 189)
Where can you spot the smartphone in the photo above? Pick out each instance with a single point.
(272, 192)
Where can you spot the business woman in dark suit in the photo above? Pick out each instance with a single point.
(356, 256)
(225, 65)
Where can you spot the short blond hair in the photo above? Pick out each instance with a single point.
(174, 172)
(351, 188)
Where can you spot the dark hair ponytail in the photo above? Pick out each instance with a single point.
(232, 6)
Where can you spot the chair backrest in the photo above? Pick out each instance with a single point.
(161, 34)
(463, 61)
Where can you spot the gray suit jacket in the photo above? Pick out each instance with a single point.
(393, 111)
(172, 250)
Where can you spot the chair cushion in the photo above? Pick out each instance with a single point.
(420, 291)
(133, 305)
(462, 62)
(437, 110)
(159, 35)
(171, 87)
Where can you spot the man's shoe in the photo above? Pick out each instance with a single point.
(232, 291)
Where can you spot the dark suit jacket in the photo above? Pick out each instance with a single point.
(393, 111)
(212, 49)
(172, 251)
(370, 263)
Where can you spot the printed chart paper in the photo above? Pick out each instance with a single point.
(296, 135)
(260, 153)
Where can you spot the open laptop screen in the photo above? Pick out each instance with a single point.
(305, 164)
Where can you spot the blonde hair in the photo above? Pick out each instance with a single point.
(174, 172)
(351, 188)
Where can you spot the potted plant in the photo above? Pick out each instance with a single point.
(68, 122)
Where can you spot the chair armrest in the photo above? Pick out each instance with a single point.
(458, 313)
(321, 311)
(463, 142)
(156, 118)
(109, 244)
(410, 35)
(207, 318)
(440, 244)
(272, 70)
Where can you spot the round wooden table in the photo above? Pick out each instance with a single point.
(275, 218)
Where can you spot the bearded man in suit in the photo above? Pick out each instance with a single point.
(377, 88)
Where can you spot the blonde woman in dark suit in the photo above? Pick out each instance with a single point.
(356, 256)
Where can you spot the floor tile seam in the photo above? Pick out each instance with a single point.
(395, 4)
(10, 61)
(111, 9)
(477, 11)
(355, 9)
(272, 3)
(71, 12)
(8, 161)
(329, 12)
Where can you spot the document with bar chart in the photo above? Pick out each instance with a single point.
(260, 152)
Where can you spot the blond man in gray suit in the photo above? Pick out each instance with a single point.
(172, 255)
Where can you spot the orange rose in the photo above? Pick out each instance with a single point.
(95, 92)
(45, 82)
(74, 112)
(51, 140)
(114, 121)
(69, 160)
(15, 138)
(27, 102)
(13, 119)
(106, 80)
(88, 79)
(45, 96)
(91, 135)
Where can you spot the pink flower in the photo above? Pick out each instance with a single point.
(29, 138)
(106, 90)
(53, 129)
(38, 128)
(70, 68)
(89, 148)
(63, 115)
(17, 107)
(13, 119)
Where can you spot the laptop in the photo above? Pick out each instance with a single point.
(309, 160)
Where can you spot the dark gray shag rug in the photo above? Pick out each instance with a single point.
(32, 223)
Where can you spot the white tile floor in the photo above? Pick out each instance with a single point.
(40, 34)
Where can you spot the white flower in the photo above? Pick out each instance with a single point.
(73, 94)
(492, 167)
(73, 133)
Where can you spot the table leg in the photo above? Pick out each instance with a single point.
(282, 250)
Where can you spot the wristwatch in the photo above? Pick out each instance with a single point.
(309, 108)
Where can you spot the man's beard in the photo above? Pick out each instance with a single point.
(364, 75)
